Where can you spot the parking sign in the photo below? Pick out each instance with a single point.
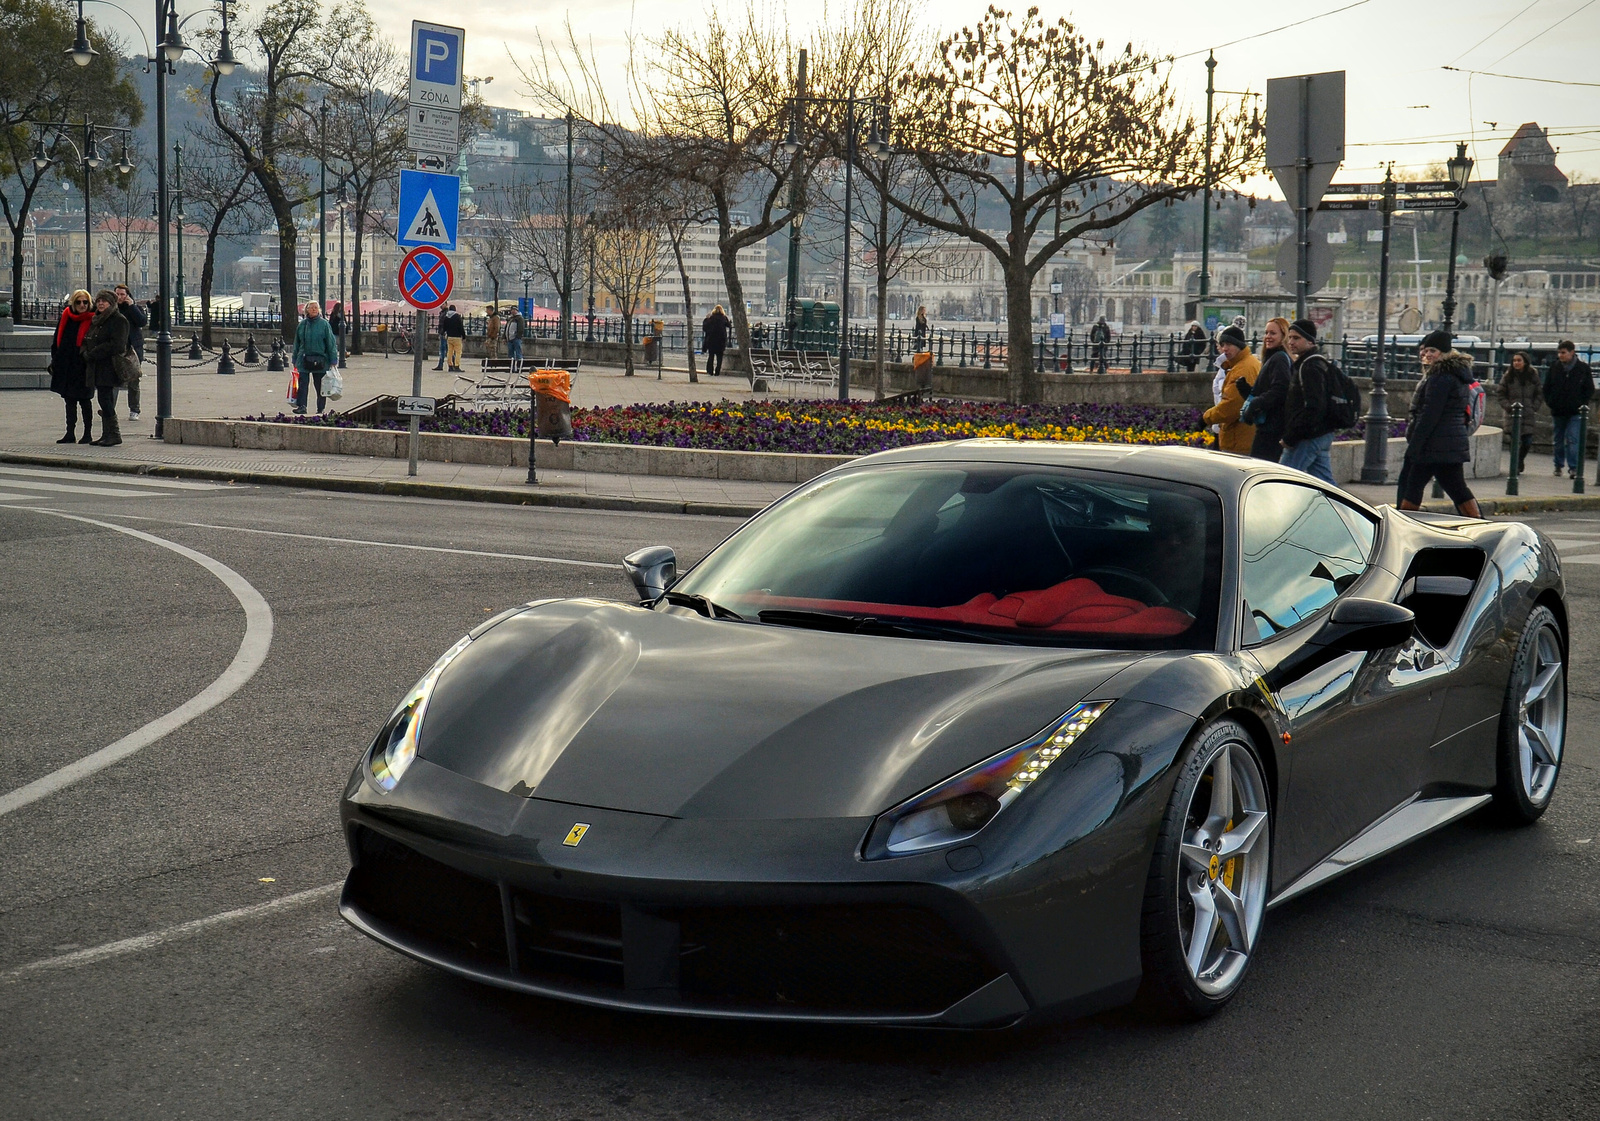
(436, 65)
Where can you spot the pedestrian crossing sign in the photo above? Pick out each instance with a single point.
(429, 207)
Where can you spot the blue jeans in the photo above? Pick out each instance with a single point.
(514, 348)
(1566, 441)
(442, 347)
(1311, 456)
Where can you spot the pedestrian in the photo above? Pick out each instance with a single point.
(919, 330)
(1194, 345)
(137, 322)
(439, 325)
(67, 366)
(514, 327)
(336, 322)
(1437, 439)
(1307, 430)
(1240, 369)
(1520, 386)
(714, 332)
(104, 347)
(491, 333)
(316, 352)
(1100, 338)
(453, 330)
(1269, 396)
(1568, 385)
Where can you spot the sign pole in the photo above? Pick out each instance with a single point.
(1303, 211)
(417, 347)
(1375, 468)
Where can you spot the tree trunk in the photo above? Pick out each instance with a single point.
(627, 340)
(355, 286)
(208, 269)
(688, 307)
(1026, 385)
(288, 266)
(728, 255)
(18, 268)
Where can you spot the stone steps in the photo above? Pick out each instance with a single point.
(25, 358)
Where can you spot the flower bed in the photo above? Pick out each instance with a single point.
(825, 427)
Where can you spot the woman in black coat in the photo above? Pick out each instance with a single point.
(1437, 439)
(67, 367)
(1269, 399)
(103, 346)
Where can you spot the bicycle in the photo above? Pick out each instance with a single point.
(397, 340)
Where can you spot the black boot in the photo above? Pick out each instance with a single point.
(110, 434)
(87, 437)
(72, 423)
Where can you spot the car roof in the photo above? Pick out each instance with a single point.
(1225, 472)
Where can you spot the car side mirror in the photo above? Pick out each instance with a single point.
(652, 571)
(1366, 624)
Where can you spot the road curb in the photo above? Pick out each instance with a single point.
(1531, 504)
(407, 488)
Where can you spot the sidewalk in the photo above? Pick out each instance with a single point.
(31, 420)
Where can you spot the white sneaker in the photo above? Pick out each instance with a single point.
(133, 416)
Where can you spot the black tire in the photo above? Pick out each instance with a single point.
(402, 345)
(1172, 986)
(1524, 785)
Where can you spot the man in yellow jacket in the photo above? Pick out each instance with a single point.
(1238, 365)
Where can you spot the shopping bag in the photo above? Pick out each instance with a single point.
(294, 384)
(333, 385)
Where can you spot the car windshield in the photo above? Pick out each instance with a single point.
(986, 552)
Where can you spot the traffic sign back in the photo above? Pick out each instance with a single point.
(426, 278)
(429, 207)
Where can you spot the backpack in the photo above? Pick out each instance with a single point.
(1344, 399)
(1476, 397)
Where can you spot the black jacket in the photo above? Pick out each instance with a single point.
(1269, 404)
(715, 330)
(68, 374)
(1567, 391)
(1306, 410)
(106, 341)
(452, 326)
(1438, 431)
(1100, 333)
(137, 322)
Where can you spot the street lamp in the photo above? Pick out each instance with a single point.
(1460, 167)
(878, 148)
(82, 53)
(90, 160)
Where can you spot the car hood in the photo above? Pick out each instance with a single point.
(665, 712)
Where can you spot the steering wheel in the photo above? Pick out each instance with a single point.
(1147, 592)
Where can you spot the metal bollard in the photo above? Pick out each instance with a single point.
(195, 353)
(1583, 441)
(988, 350)
(225, 363)
(1512, 483)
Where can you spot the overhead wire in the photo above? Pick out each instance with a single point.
(1581, 7)
(1521, 77)
(1264, 34)
(1496, 31)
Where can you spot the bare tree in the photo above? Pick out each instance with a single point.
(1067, 138)
(228, 200)
(681, 210)
(131, 228)
(491, 237)
(627, 252)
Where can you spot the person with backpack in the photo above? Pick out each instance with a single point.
(1438, 438)
(1318, 404)
(1520, 386)
(1568, 385)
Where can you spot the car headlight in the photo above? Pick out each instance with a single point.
(960, 806)
(396, 745)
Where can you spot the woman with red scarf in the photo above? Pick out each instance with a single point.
(67, 366)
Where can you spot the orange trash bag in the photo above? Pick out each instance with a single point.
(554, 389)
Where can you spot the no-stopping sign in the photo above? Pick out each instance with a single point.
(425, 278)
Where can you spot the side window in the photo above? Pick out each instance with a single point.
(1299, 554)
(1362, 528)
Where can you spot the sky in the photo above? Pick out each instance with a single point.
(1400, 104)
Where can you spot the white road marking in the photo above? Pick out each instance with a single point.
(8, 497)
(1587, 558)
(72, 488)
(170, 934)
(120, 480)
(379, 544)
(1565, 543)
(252, 653)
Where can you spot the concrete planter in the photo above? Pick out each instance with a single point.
(631, 459)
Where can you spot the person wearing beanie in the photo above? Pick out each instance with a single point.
(1568, 385)
(1438, 442)
(1436, 340)
(105, 342)
(1307, 431)
(1239, 370)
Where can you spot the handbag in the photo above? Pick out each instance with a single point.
(333, 385)
(125, 367)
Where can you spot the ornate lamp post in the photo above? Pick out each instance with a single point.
(90, 159)
(1460, 170)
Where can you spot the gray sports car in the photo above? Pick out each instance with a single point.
(962, 734)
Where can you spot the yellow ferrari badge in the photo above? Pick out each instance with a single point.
(575, 834)
(1215, 869)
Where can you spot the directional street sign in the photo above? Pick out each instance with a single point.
(414, 406)
(433, 130)
(436, 65)
(426, 278)
(1350, 204)
(1444, 202)
(429, 207)
(1448, 203)
(1431, 187)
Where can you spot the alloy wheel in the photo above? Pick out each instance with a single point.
(1222, 887)
(1542, 716)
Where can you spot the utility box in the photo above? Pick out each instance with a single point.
(816, 326)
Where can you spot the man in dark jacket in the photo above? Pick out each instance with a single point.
(1568, 385)
(1437, 440)
(137, 322)
(453, 330)
(714, 330)
(1099, 338)
(1307, 431)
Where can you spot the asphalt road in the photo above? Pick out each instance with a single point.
(1458, 978)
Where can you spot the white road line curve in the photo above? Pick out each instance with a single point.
(379, 544)
(252, 653)
(172, 933)
(118, 478)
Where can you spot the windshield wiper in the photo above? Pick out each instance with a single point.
(872, 624)
(703, 605)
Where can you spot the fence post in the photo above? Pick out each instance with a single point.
(1136, 367)
(1172, 353)
(1040, 349)
(1067, 369)
(1583, 446)
(988, 350)
(939, 359)
(1512, 482)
